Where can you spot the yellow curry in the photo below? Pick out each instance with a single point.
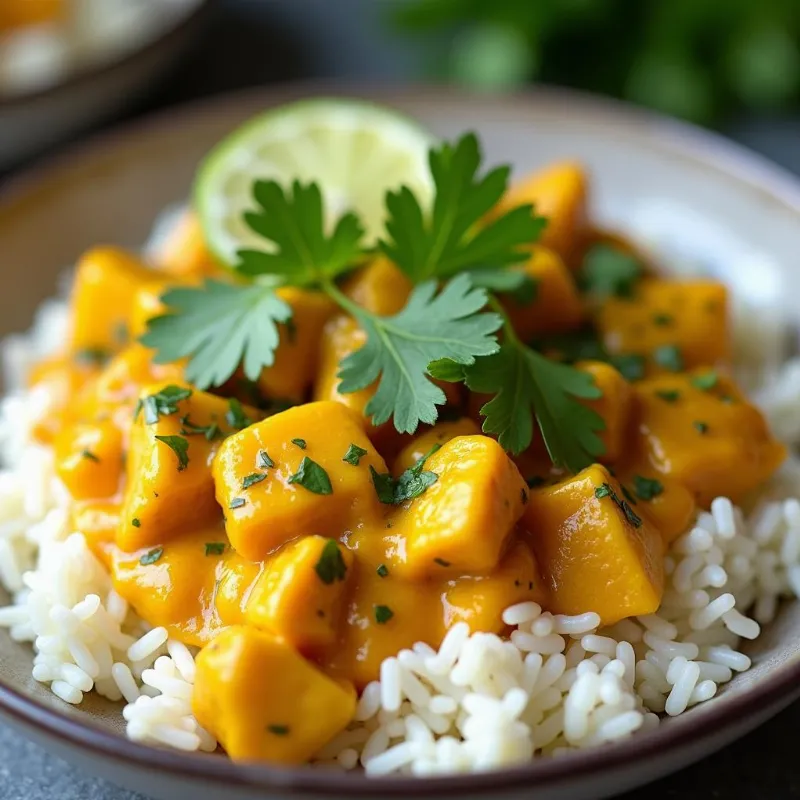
(273, 524)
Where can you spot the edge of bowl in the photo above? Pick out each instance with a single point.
(703, 148)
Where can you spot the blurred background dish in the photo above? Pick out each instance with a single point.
(67, 63)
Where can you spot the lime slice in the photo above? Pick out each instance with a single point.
(355, 151)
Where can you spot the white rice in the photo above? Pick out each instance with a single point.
(481, 701)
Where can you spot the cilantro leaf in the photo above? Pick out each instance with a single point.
(525, 383)
(294, 222)
(331, 566)
(162, 403)
(354, 454)
(609, 272)
(399, 348)
(312, 476)
(218, 326)
(518, 285)
(449, 239)
(180, 447)
(410, 484)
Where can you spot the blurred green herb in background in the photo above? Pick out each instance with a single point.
(697, 59)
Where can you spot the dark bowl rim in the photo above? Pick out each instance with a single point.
(703, 148)
(163, 39)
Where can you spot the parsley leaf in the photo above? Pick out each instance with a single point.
(218, 326)
(410, 484)
(90, 456)
(235, 416)
(264, 461)
(331, 566)
(449, 240)
(354, 454)
(312, 476)
(211, 432)
(253, 479)
(609, 272)
(151, 556)
(215, 548)
(383, 614)
(669, 357)
(647, 488)
(399, 349)
(705, 381)
(294, 222)
(180, 447)
(301, 443)
(525, 383)
(161, 404)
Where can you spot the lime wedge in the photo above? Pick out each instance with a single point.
(353, 150)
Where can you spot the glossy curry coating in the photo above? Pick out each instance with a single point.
(303, 545)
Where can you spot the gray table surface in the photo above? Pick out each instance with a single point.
(258, 41)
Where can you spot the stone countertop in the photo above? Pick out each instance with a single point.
(255, 42)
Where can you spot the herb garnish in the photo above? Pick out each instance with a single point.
(383, 614)
(668, 395)
(705, 381)
(90, 456)
(301, 443)
(410, 484)
(211, 432)
(180, 447)
(93, 356)
(382, 570)
(669, 357)
(151, 556)
(609, 272)
(136, 522)
(279, 730)
(647, 488)
(700, 427)
(662, 320)
(606, 490)
(331, 566)
(312, 476)
(630, 365)
(250, 480)
(354, 454)
(235, 416)
(237, 502)
(263, 460)
(215, 548)
(161, 404)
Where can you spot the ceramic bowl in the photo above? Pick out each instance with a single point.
(111, 189)
(33, 120)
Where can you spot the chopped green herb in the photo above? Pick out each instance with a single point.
(92, 356)
(215, 548)
(90, 456)
(662, 320)
(162, 403)
(237, 502)
(727, 399)
(606, 490)
(410, 484)
(291, 330)
(628, 496)
(301, 443)
(603, 491)
(630, 514)
(647, 488)
(151, 556)
(278, 730)
(705, 381)
(441, 562)
(312, 476)
(250, 480)
(700, 427)
(609, 272)
(264, 460)
(382, 570)
(331, 566)
(630, 365)
(354, 454)
(136, 523)
(384, 485)
(235, 416)
(383, 614)
(180, 447)
(211, 432)
(669, 357)
(668, 395)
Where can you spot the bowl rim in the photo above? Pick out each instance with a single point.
(11, 101)
(703, 148)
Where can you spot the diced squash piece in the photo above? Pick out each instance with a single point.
(295, 365)
(264, 702)
(21, 13)
(460, 523)
(481, 599)
(439, 434)
(327, 498)
(301, 592)
(669, 505)
(556, 306)
(380, 287)
(595, 553)
(102, 296)
(89, 459)
(147, 304)
(185, 253)
(698, 429)
(98, 521)
(174, 584)
(674, 325)
(558, 192)
(164, 494)
(614, 406)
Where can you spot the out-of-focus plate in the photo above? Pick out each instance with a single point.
(111, 189)
(32, 120)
